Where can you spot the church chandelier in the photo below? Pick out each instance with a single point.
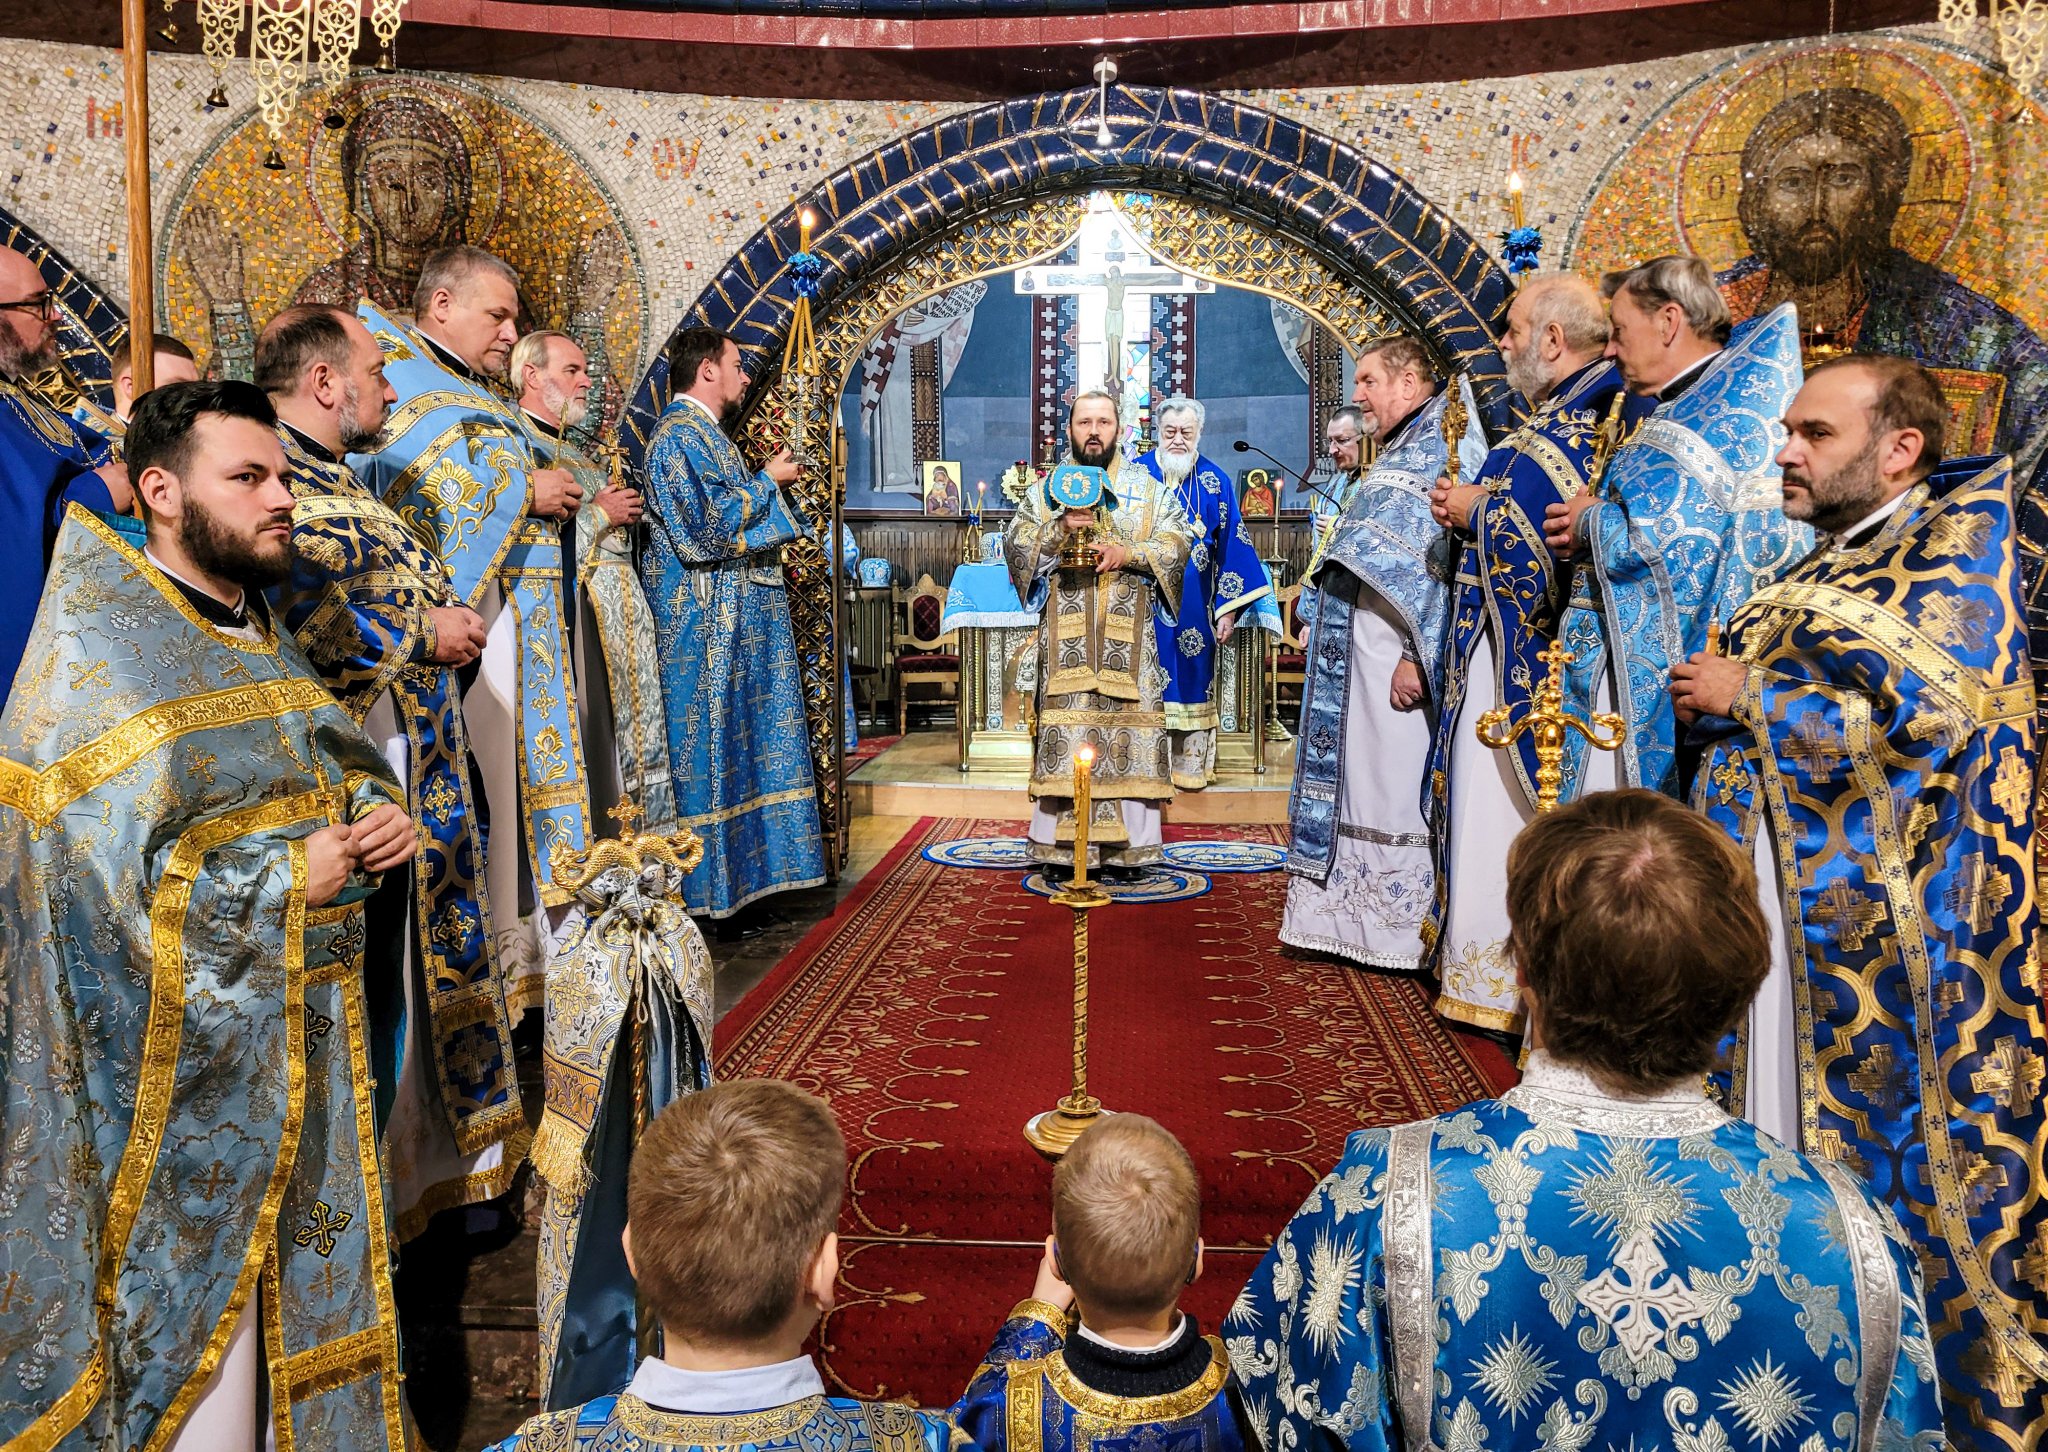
(291, 43)
(2020, 26)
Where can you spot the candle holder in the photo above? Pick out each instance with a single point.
(1549, 720)
(1054, 1132)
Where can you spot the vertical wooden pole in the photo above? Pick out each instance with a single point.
(135, 133)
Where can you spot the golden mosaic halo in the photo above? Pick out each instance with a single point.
(1944, 158)
(331, 202)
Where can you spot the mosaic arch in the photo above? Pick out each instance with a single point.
(1216, 187)
(89, 325)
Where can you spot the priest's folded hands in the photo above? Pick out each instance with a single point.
(1706, 685)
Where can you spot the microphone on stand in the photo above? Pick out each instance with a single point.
(1242, 447)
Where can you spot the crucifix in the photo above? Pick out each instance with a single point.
(1115, 280)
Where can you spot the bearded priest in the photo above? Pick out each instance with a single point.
(1873, 733)
(192, 823)
(1225, 579)
(1360, 871)
(1100, 683)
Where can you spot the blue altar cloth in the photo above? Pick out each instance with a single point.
(982, 597)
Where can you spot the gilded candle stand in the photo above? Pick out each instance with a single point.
(1054, 1132)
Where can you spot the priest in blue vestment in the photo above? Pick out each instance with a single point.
(1602, 1257)
(462, 467)
(739, 746)
(1874, 744)
(1687, 518)
(191, 823)
(1360, 870)
(372, 606)
(1224, 578)
(1504, 609)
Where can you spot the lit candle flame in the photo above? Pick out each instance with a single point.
(806, 220)
(1515, 182)
(1086, 755)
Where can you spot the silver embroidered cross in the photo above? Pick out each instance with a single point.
(1625, 1305)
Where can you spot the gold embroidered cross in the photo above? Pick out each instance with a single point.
(202, 766)
(1957, 534)
(1880, 1078)
(2033, 1266)
(439, 799)
(212, 1182)
(1834, 1147)
(90, 673)
(1990, 1364)
(1981, 1181)
(453, 928)
(1817, 745)
(1956, 621)
(473, 1058)
(324, 1282)
(1848, 912)
(1946, 997)
(2011, 1075)
(1979, 892)
(2013, 785)
(1731, 776)
(318, 1233)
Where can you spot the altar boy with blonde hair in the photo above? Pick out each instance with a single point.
(1101, 1353)
(731, 1204)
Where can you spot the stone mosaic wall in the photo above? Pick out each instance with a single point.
(617, 204)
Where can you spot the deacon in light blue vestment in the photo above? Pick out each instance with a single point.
(1503, 615)
(1224, 578)
(454, 464)
(1360, 867)
(1566, 1268)
(1885, 749)
(186, 1101)
(739, 748)
(1691, 521)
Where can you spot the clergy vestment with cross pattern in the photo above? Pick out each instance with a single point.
(1884, 746)
(358, 601)
(186, 1105)
(455, 463)
(1564, 1267)
(1100, 683)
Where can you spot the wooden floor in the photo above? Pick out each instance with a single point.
(920, 776)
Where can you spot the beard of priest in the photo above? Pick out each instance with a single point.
(1099, 680)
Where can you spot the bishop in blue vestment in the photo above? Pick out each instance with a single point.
(739, 746)
(1601, 1257)
(1224, 579)
(1686, 520)
(1875, 744)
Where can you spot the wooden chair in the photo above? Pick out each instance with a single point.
(1290, 651)
(926, 655)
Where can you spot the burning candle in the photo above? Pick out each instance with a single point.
(1084, 767)
(1515, 197)
(807, 220)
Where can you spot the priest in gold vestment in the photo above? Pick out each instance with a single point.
(1099, 682)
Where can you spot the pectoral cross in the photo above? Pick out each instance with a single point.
(1115, 280)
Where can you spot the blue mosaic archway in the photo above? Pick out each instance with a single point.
(1374, 229)
(1370, 231)
(89, 324)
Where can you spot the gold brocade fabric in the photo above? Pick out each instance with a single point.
(1101, 683)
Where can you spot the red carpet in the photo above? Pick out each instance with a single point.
(933, 1011)
(867, 749)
